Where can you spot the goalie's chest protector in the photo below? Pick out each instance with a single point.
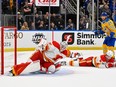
(52, 52)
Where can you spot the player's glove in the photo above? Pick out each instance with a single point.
(97, 32)
(108, 38)
(112, 34)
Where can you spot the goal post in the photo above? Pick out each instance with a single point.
(2, 44)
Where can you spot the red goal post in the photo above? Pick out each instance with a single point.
(2, 50)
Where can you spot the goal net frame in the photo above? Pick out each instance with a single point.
(3, 48)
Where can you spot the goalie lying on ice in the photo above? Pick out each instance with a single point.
(44, 58)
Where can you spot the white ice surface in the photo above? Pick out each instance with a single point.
(66, 77)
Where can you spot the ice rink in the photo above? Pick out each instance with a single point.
(66, 77)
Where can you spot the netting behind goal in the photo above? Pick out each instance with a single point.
(8, 48)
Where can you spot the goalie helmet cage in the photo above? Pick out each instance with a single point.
(2, 48)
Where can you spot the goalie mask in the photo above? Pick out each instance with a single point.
(40, 40)
(63, 46)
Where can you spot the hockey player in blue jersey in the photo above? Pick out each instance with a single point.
(109, 29)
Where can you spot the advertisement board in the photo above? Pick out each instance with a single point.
(24, 38)
(78, 39)
(45, 2)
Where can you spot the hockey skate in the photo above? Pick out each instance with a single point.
(11, 73)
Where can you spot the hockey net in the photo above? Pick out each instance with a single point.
(8, 48)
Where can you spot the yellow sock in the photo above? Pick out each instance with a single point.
(105, 48)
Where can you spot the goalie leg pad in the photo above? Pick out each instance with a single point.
(32, 67)
(17, 69)
(24, 68)
(48, 67)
